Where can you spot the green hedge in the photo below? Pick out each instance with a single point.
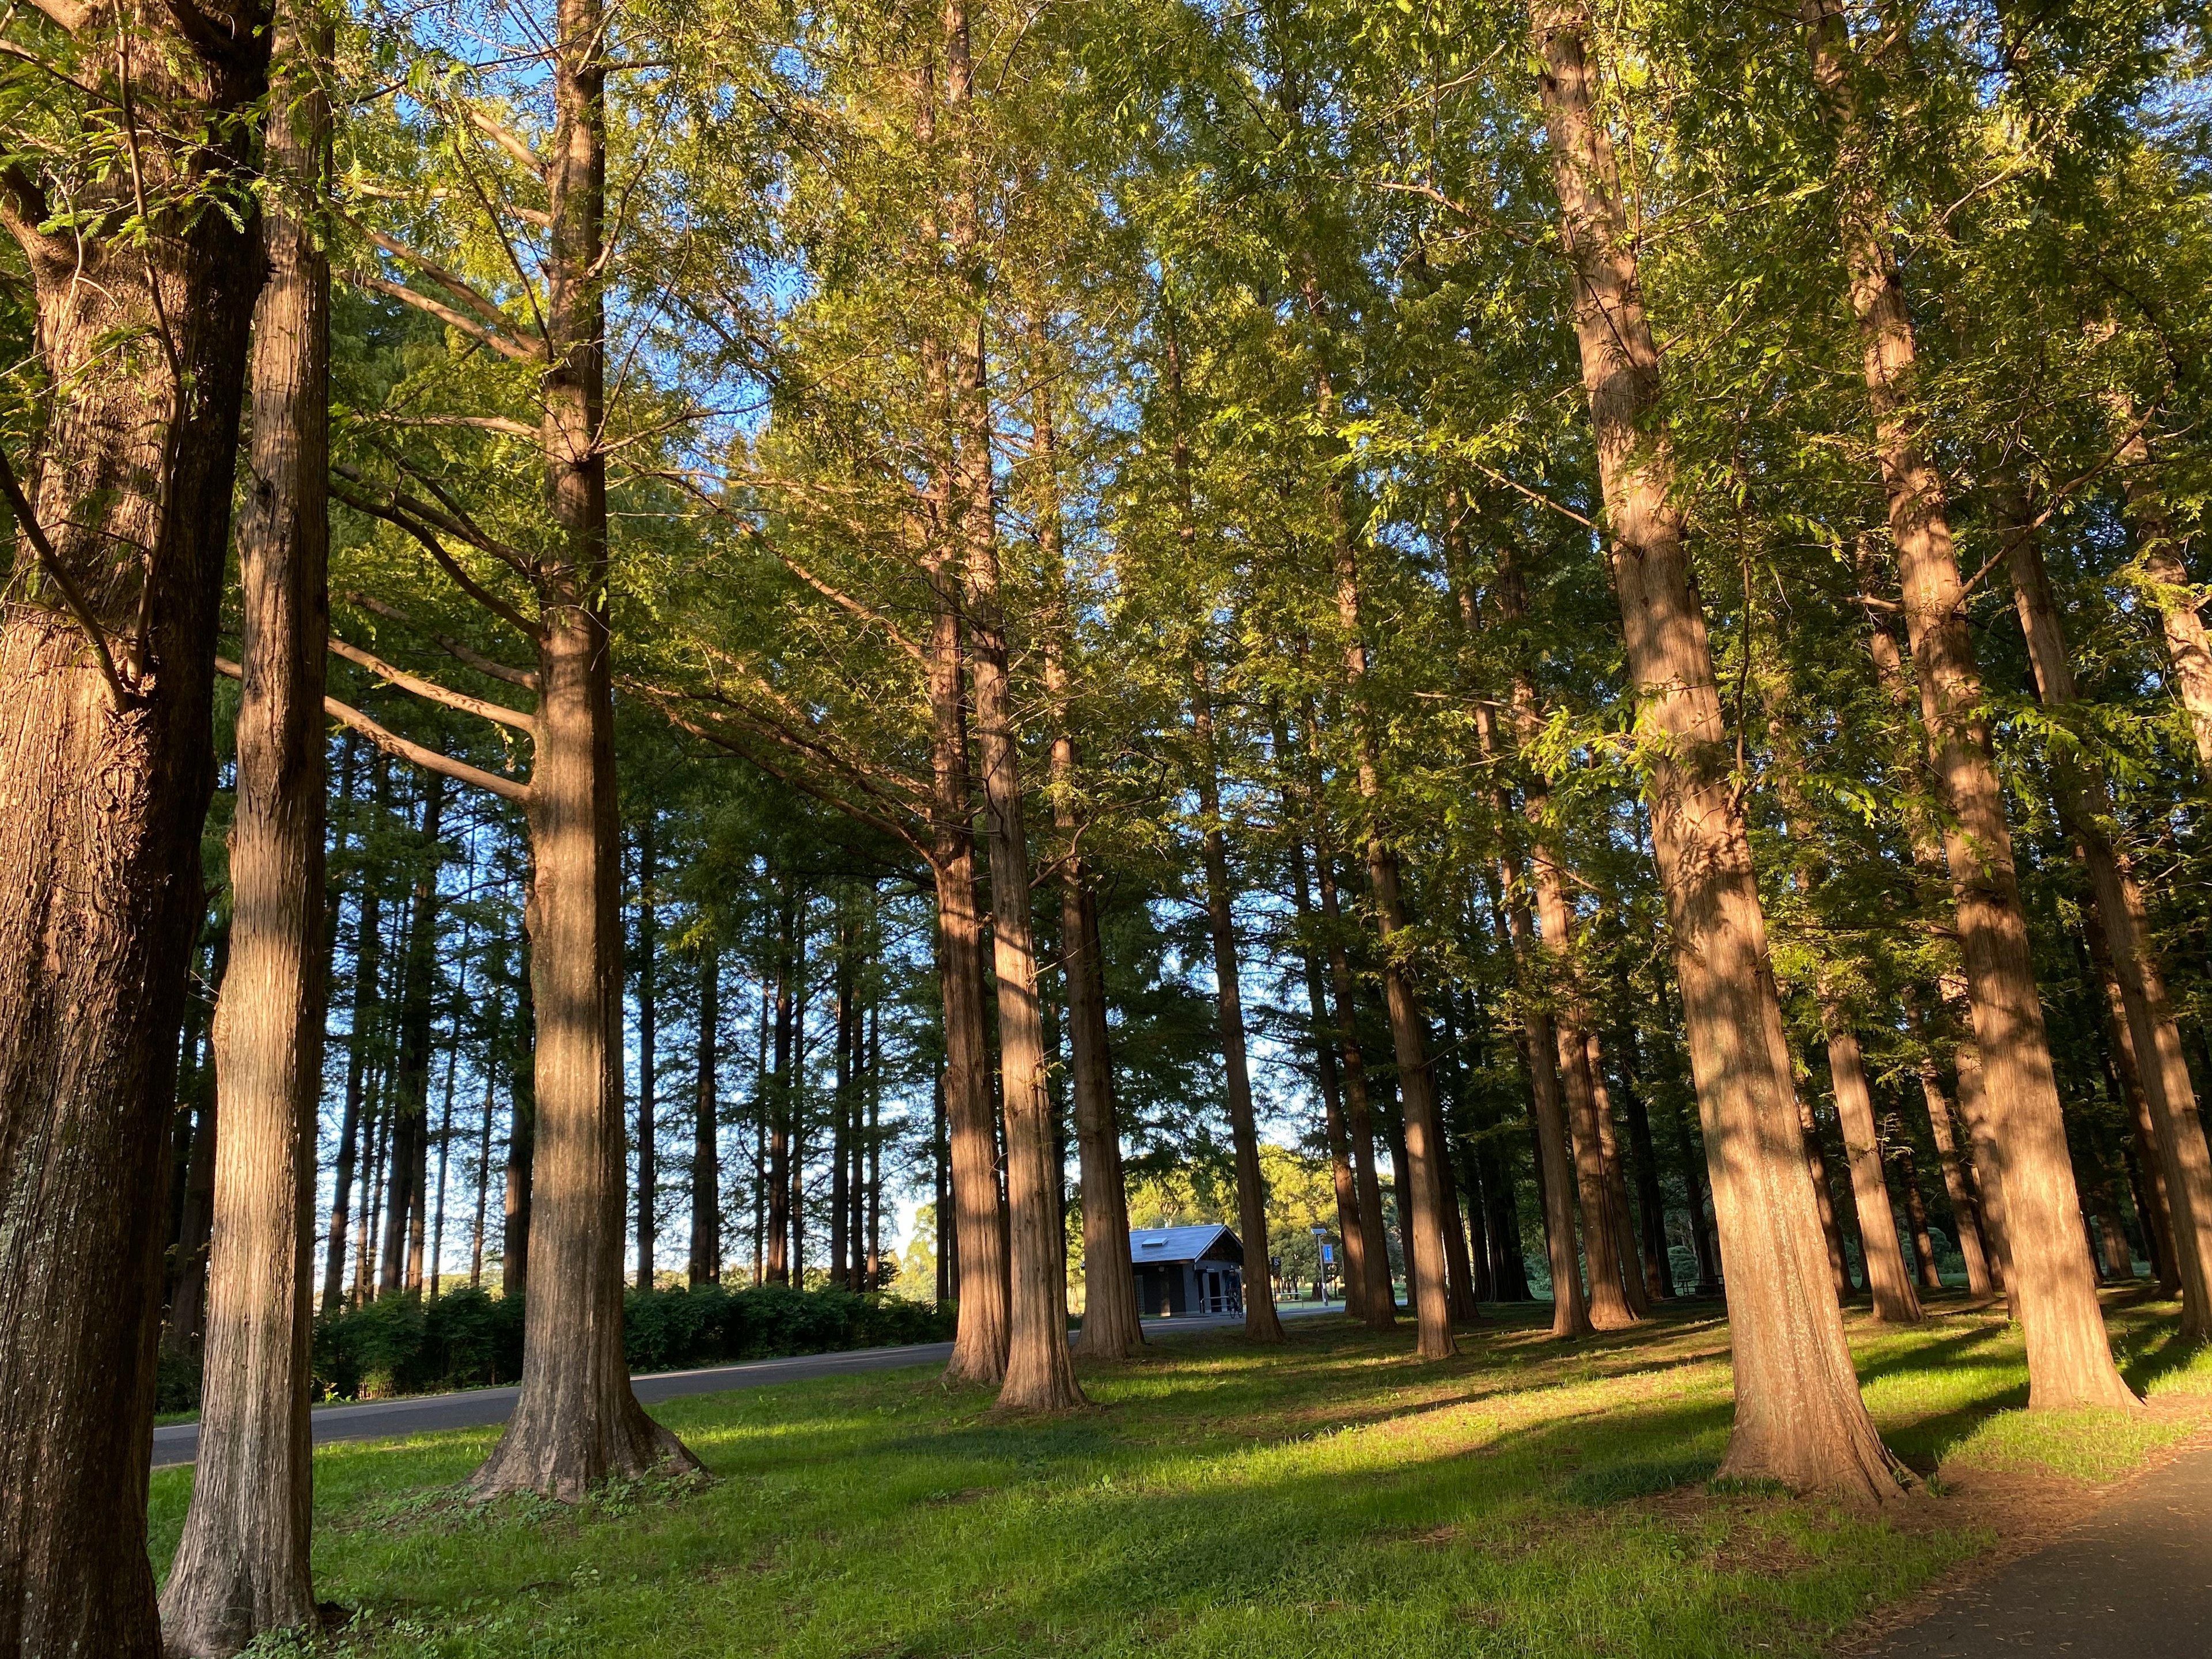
(404, 1344)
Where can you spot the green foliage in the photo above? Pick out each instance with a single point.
(401, 1344)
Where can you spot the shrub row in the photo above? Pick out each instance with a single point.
(406, 1345)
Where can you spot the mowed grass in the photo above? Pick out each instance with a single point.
(1330, 1497)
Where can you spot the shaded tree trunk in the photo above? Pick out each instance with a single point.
(411, 1081)
(705, 1267)
(648, 1032)
(1621, 1222)
(1261, 1323)
(2122, 924)
(1965, 1219)
(1799, 1417)
(367, 948)
(1658, 1266)
(790, 960)
(522, 1122)
(106, 669)
(1916, 1215)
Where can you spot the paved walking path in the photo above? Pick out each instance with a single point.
(479, 1408)
(2134, 1581)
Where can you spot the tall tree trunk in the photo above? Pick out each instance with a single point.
(369, 921)
(1379, 1302)
(841, 1113)
(648, 1032)
(411, 1093)
(1349, 1225)
(780, 1096)
(486, 1114)
(522, 1120)
(576, 1422)
(1799, 1419)
(1895, 1302)
(1621, 1222)
(1426, 1273)
(1658, 1267)
(1816, 1164)
(1554, 961)
(2125, 1076)
(2070, 1357)
(2159, 551)
(1039, 1375)
(142, 303)
(1965, 1215)
(1915, 1214)
(445, 1159)
(875, 1145)
(705, 1267)
(1260, 1322)
(2123, 926)
(188, 1297)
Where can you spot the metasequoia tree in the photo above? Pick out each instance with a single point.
(705, 1265)
(1799, 1417)
(2048, 1270)
(141, 280)
(576, 1421)
(2150, 1040)
(242, 1566)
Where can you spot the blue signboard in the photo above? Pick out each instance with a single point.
(1328, 1254)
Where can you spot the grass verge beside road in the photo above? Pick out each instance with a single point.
(1330, 1496)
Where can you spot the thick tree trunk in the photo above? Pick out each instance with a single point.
(2070, 1357)
(2122, 922)
(648, 1032)
(705, 1265)
(1799, 1417)
(106, 668)
(1261, 1323)
(242, 1566)
(576, 1421)
(977, 1235)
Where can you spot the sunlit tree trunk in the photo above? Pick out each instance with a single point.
(1799, 1417)
(2069, 1358)
(2122, 921)
(576, 1421)
(2159, 550)
(241, 1565)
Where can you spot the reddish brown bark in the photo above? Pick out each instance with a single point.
(2122, 922)
(1798, 1415)
(2069, 1358)
(242, 1566)
(106, 660)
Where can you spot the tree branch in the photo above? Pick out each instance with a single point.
(468, 584)
(400, 748)
(431, 691)
(521, 351)
(49, 562)
(509, 141)
(453, 647)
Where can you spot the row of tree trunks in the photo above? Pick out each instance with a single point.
(648, 1031)
(2150, 1039)
(401, 1267)
(1262, 1324)
(2069, 1358)
(1799, 1417)
(705, 1265)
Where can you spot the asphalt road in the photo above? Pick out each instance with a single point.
(2134, 1581)
(478, 1408)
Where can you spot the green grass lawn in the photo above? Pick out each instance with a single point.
(1331, 1497)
